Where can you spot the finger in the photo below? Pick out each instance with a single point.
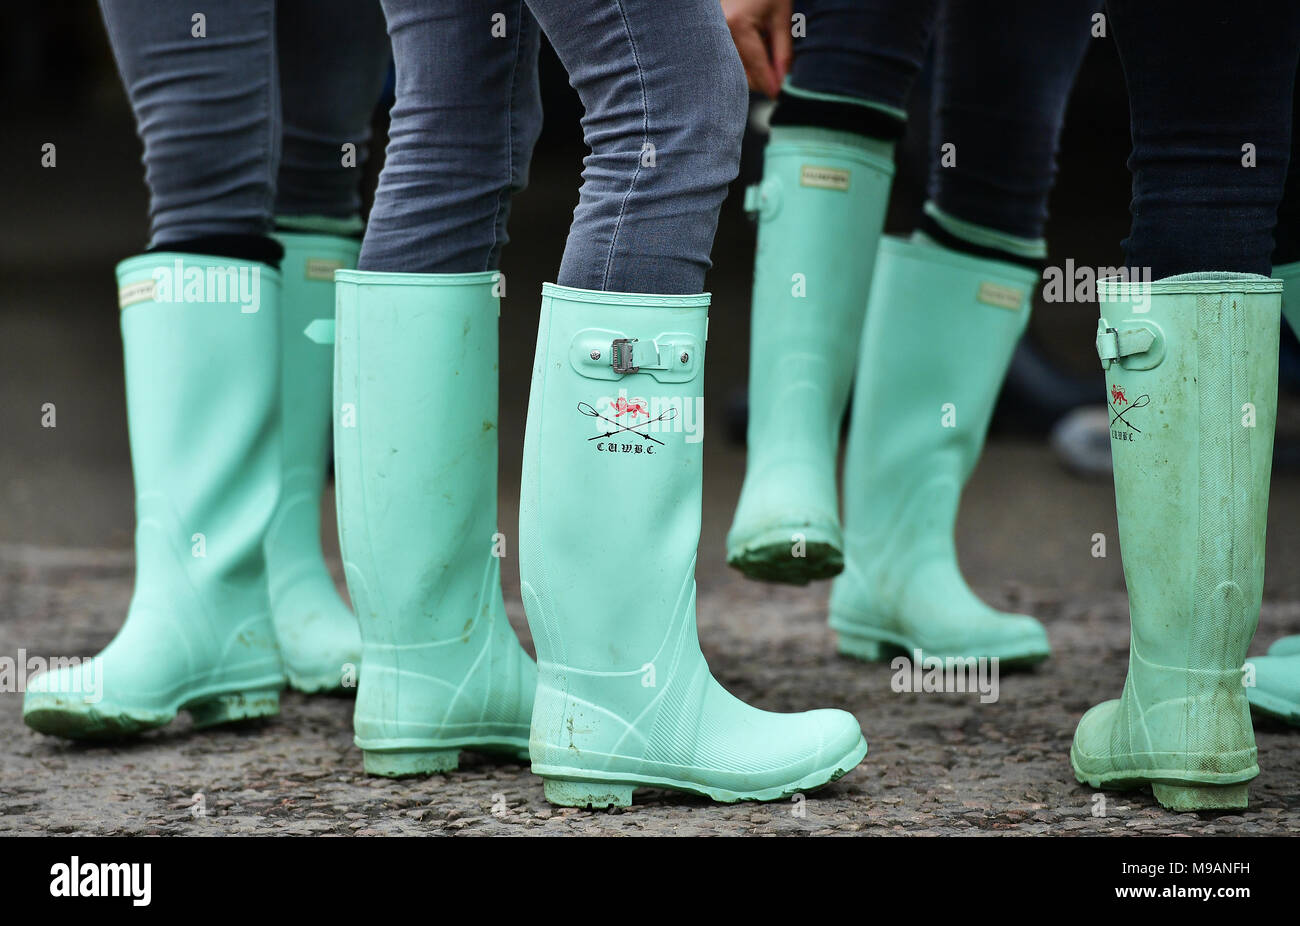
(782, 42)
(753, 55)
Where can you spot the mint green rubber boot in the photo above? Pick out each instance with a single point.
(938, 339)
(201, 339)
(318, 633)
(609, 525)
(821, 207)
(1276, 690)
(1276, 687)
(1286, 646)
(1191, 377)
(415, 456)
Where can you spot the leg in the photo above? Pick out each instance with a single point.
(664, 137)
(1001, 87)
(926, 390)
(1277, 676)
(1196, 350)
(821, 208)
(611, 494)
(415, 389)
(200, 331)
(333, 58)
(207, 109)
(1196, 204)
(460, 138)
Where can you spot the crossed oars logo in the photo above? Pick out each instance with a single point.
(621, 426)
(1117, 393)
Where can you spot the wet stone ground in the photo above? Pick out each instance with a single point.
(939, 764)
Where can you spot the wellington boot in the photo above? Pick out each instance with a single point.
(609, 527)
(415, 448)
(1191, 376)
(821, 207)
(318, 633)
(1276, 688)
(201, 337)
(939, 336)
(1286, 646)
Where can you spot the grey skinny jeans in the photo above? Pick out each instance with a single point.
(665, 100)
(247, 121)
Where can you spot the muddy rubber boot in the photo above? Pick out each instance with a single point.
(939, 336)
(821, 207)
(318, 634)
(1191, 377)
(201, 342)
(415, 456)
(609, 526)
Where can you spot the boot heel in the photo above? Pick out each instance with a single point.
(594, 794)
(231, 708)
(862, 648)
(410, 763)
(1201, 797)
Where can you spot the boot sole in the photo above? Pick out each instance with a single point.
(1172, 789)
(572, 787)
(769, 557)
(420, 761)
(1279, 708)
(879, 646)
(71, 718)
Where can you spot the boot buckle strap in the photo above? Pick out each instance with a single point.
(321, 331)
(670, 357)
(1116, 344)
(763, 200)
(622, 356)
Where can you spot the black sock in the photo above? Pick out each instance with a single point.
(843, 117)
(258, 248)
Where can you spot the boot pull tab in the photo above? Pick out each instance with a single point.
(763, 200)
(1133, 345)
(671, 357)
(321, 331)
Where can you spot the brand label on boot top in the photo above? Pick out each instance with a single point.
(825, 178)
(1004, 297)
(132, 293)
(321, 268)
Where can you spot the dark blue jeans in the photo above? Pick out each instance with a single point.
(1204, 80)
(1003, 73)
(248, 120)
(1286, 249)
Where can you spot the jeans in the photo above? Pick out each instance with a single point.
(1205, 79)
(248, 120)
(665, 106)
(1002, 75)
(1286, 236)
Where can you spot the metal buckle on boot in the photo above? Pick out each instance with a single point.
(1136, 346)
(621, 356)
(605, 354)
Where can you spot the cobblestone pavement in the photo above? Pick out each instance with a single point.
(939, 764)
